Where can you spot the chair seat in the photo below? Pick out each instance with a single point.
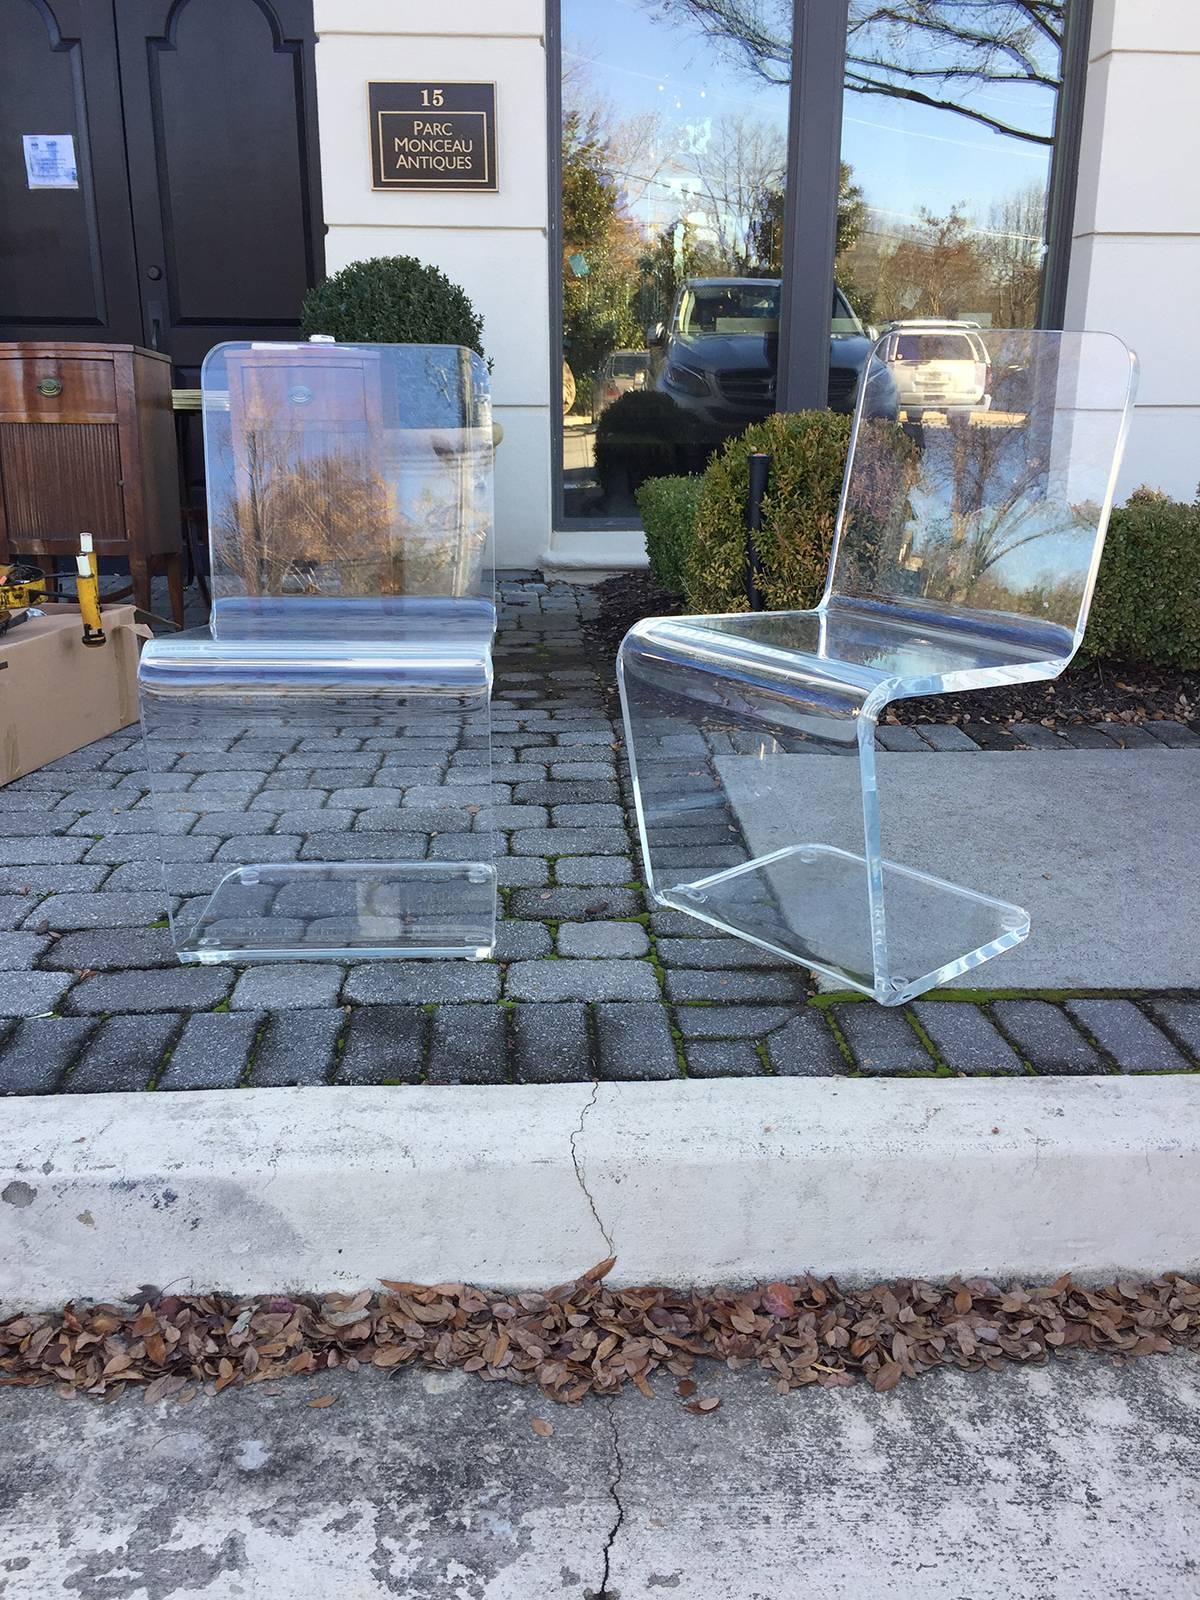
(862, 646)
(198, 664)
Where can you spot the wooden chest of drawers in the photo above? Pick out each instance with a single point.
(87, 443)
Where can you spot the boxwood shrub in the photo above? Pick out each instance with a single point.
(668, 508)
(392, 300)
(1146, 609)
(643, 434)
(808, 458)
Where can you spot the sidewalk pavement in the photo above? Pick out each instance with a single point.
(1077, 1479)
(589, 980)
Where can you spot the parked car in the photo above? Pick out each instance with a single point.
(622, 371)
(939, 366)
(718, 354)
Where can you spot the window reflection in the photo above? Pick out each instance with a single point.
(673, 197)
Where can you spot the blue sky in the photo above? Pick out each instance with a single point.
(903, 155)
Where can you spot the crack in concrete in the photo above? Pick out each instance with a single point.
(614, 1489)
(587, 1193)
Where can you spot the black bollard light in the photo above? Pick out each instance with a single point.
(760, 470)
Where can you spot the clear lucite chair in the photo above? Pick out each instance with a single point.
(965, 556)
(338, 702)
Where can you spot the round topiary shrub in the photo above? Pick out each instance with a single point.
(1146, 609)
(643, 434)
(392, 300)
(808, 459)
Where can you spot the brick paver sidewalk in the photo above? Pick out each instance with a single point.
(587, 981)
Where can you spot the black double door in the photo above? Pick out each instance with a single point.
(196, 215)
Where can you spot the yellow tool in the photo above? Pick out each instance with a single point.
(23, 586)
(87, 591)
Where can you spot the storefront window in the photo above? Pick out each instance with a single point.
(947, 133)
(675, 188)
(674, 173)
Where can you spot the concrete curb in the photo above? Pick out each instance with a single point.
(726, 1180)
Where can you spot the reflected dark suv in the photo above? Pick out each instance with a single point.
(719, 354)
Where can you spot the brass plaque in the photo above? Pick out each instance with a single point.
(433, 135)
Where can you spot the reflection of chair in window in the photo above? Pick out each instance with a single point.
(349, 652)
(963, 559)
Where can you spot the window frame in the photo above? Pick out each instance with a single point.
(810, 213)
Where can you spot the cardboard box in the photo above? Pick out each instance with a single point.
(56, 694)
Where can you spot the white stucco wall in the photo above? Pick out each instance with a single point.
(1135, 257)
(494, 245)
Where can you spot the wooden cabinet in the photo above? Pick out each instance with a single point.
(87, 444)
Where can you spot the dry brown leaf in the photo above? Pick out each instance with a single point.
(542, 1428)
(322, 1401)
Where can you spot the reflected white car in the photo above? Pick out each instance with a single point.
(939, 366)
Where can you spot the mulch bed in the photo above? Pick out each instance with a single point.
(584, 1338)
(1086, 692)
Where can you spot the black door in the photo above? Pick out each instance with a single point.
(197, 217)
(67, 266)
(220, 127)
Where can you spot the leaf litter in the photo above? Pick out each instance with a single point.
(584, 1338)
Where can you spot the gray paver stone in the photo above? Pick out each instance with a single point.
(19, 951)
(881, 1040)
(966, 1039)
(521, 941)
(730, 1021)
(49, 851)
(806, 1048)
(125, 1055)
(212, 1051)
(66, 912)
(287, 986)
(421, 982)
(29, 994)
(36, 1055)
(722, 1058)
(945, 736)
(686, 984)
(570, 842)
(522, 872)
(297, 1047)
(597, 815)
(468, 1044)
(1175, 735)
(1128, 1036)
(1045, 1037)
(633, 1042)
(567, 792)
(586, 940)
(584, 870)
(385, 1044)
(112, 950)
(29, 881)
(718, 955)
(581, 980)
(572, 905)
(551, 1044)
(891, 737)
(1182, 1018)
(161, 989)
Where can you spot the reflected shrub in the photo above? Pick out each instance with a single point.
(643, 435)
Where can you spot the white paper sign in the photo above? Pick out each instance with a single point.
(50, 160)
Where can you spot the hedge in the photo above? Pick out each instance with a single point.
(668, 507)
(1146, 608)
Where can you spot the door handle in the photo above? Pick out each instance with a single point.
(154, 315)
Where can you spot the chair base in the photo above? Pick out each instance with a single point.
(809, 903)
(348, 910)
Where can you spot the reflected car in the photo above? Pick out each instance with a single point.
(718, 355)
(939, 366)
(622, 371)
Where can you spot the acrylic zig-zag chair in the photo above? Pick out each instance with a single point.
(965, 555)
(348, 658)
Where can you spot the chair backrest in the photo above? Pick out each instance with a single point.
(349, 489)
(984, 509)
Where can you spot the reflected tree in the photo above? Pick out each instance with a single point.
(925, 51)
